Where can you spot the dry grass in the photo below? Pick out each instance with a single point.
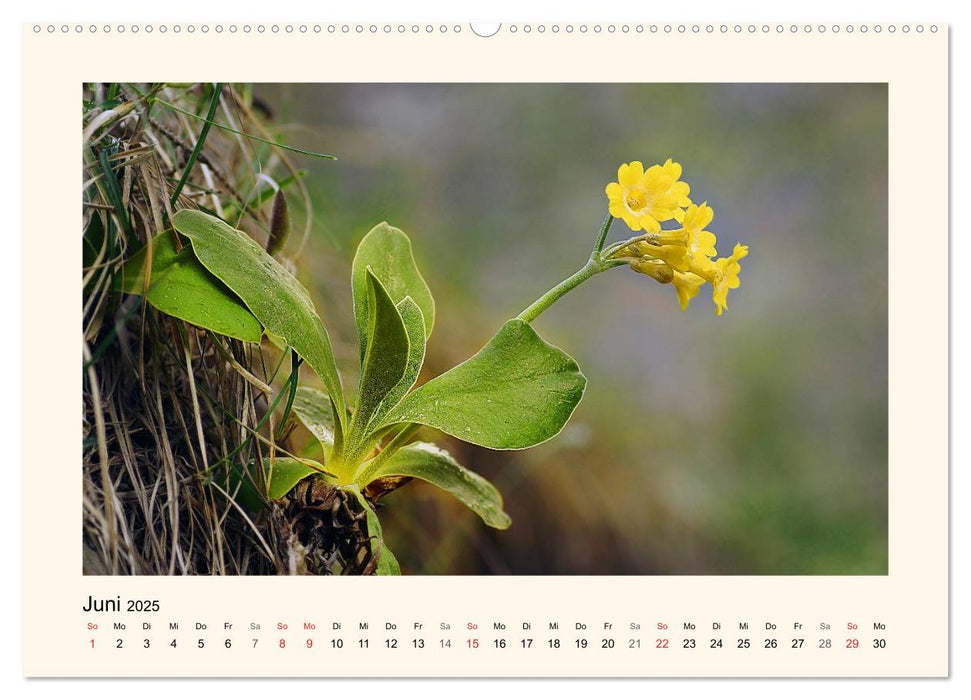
(168, 408)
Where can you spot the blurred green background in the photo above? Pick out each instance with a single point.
(753, 443)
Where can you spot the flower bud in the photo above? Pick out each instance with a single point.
(279, 224)
(657, 269)
(634, 250)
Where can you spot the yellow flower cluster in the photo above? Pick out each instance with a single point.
(683, 257)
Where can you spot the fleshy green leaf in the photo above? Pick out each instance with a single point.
(285, 472)
(314, 410)
(386, 250)
(436, 466)
(277, 341)
(386, 356)
(284, 475)
(274, 296)
(414, 326)
(516, 392)
(180, 286)
(387, 564)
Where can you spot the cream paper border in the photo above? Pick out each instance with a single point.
(912, 600)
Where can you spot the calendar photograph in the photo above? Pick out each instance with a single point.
(477, 329)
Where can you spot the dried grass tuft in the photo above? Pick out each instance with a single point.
(169, 407)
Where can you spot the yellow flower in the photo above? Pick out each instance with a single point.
(696, 218)
(657, 269)
(645, 198)
(679, 256)
(679, 190)
(687, 285)
(675, 255)
(724, 276)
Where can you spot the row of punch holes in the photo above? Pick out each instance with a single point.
(483, 29)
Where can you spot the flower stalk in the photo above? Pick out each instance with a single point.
(593, 266)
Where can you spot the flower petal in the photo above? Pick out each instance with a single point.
(617, 209)
(649, 223)
(672, 170)
(629, 174)
(633, 222)
(698, 216)
(687, 286)
(703, 243)
(661, 212)
(679, 190)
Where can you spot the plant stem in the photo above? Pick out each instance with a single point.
(366, 470)
(592, 267)
(595, 264)
(604, 230)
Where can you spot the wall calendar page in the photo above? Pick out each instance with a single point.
(433, 349)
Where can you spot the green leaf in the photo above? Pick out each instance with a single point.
(415, 328)
(386, 250)
(284, 475)
(274, 296)
(436, 466)
(111, 187)
(240, 485)
(93, 241)
(95, 248)
(387, 564)
(252, 137)
(385, 358)
(516, 392)
(313, 408)
(180, 286)
(278, 342)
